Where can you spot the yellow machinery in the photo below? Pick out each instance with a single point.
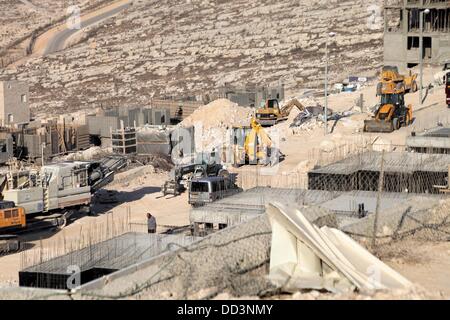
(392, 112)
(390, 76)
(252, 145)
(11, 218)
(271, 113)
(51, 196)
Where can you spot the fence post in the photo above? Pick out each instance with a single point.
(377, 210)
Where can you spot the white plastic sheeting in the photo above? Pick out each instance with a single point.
(304, 256)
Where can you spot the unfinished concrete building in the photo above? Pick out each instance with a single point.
(403, 172)
(402, 32)
(96, 260)
(14, 105)
(436, 140)
(124, 141)
(336, 208)
(103, 124)
(251, 95)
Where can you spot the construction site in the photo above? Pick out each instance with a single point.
(316, 184)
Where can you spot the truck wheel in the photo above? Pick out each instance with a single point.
(396, 124)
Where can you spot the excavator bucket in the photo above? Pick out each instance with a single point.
(378, 126)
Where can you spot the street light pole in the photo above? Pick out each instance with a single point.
(422, 14)
(330, 35)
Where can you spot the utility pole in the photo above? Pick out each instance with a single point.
(330, 35)
(43, 145)
(421, 18)
(377, 210)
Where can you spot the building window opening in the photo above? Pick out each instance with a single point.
(413, 43)
(427, 47)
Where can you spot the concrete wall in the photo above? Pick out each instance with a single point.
(443, 50)
(394, 55)
(396, 41)
(14, 105)
(252, 96)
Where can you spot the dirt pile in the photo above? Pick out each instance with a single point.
(221, 113)
(212, 122)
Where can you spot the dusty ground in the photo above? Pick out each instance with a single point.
(426, 264)
(116, 66)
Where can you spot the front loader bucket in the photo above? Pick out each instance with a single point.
(378, 126)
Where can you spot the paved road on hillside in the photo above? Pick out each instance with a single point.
(57, 42)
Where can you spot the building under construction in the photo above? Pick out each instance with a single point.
(402, 32)
(403, 172)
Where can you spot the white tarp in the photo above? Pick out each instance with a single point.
(306, 257)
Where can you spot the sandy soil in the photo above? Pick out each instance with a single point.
(426, 264)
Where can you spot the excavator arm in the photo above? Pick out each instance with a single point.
(286, 110)
(256, 142)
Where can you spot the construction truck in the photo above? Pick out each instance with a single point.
(180, 176)
(252, 145)
(209, 189)
(391, 76)
(50, 196)
(272, 114)
(392, 112)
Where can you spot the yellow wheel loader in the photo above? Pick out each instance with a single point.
(392, 113)
(390, 76)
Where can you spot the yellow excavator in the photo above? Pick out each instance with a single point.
(252, 145)
(271, 113)
(393, 113)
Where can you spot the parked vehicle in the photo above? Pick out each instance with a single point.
(209, 189)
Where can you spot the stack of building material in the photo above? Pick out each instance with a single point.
(304, 256)
(124, 141)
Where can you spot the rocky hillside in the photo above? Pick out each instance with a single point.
(186, 48)
(20, 17)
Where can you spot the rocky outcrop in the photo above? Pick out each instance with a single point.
(190, 48)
